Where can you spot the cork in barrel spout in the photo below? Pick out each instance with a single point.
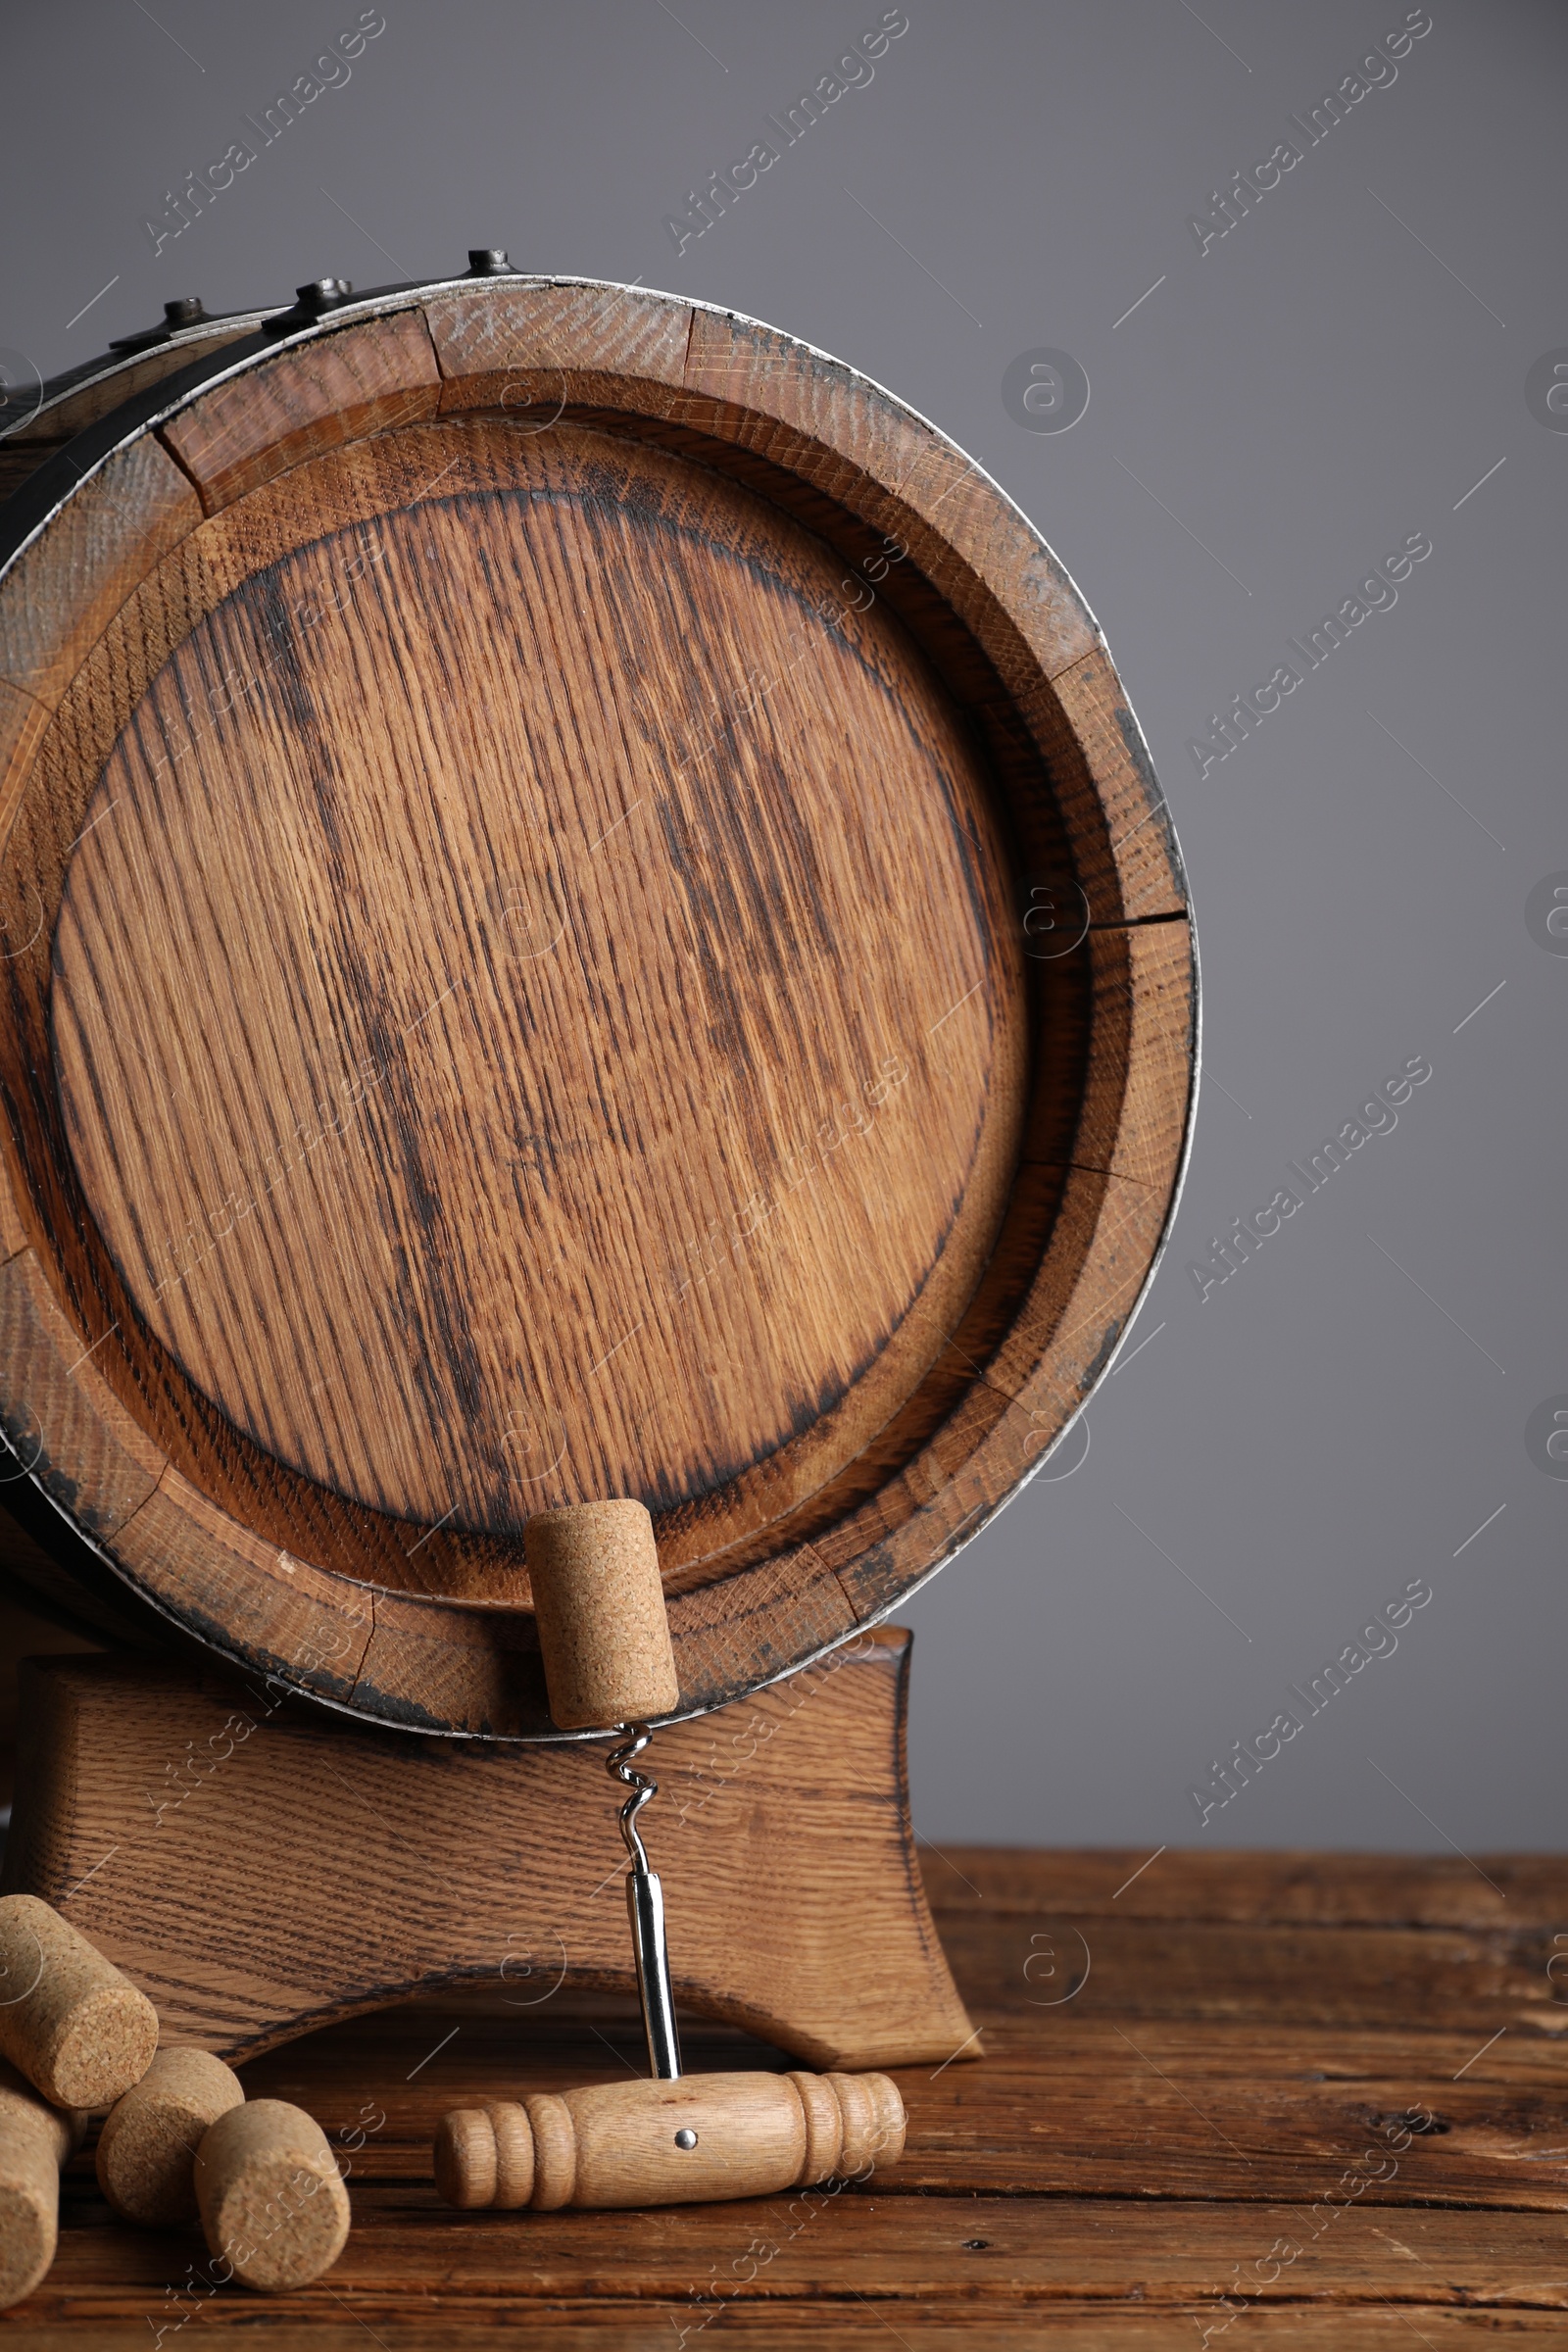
(600, 1604)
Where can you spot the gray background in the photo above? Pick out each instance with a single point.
(1279, 411)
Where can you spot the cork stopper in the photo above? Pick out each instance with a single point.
(600, 1603)
(147, 2147)
(78, 2029)
(272, 2201)
(35, 2139)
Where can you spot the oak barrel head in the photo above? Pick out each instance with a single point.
(585, 916)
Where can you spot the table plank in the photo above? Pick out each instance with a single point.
(980, 2258)
(1452, 1977)
(1218, 1884)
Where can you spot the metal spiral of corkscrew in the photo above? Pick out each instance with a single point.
(619, 1765)
(645, 1907)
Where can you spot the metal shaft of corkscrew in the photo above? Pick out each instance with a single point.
(645, 1907)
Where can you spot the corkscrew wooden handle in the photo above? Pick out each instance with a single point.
(701, 2138)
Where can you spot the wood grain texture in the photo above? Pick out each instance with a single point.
(787, 1607)
(335, 389)
(1132, 1118)
(1026, 619)
(1265, 1887)
(60, 419)
(216, 1575)
(533, 350)
(52, 813)
(23, 721)
(738, 629)
(65, 588)
(870, 452)
(982, 2271)
(1076, 2187)
(819, 431)
(427, 1205)
(71, 1434)
(1107, 790)
(459, 1669)
(1018, 1402)
(1289, 1979)
(449, 1863)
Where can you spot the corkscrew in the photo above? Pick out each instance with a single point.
(676, 2138)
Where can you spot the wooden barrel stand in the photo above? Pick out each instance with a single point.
(259, 1870)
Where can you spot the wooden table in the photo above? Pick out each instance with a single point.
(1322, 2100)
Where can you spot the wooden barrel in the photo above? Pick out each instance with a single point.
(583, 914)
